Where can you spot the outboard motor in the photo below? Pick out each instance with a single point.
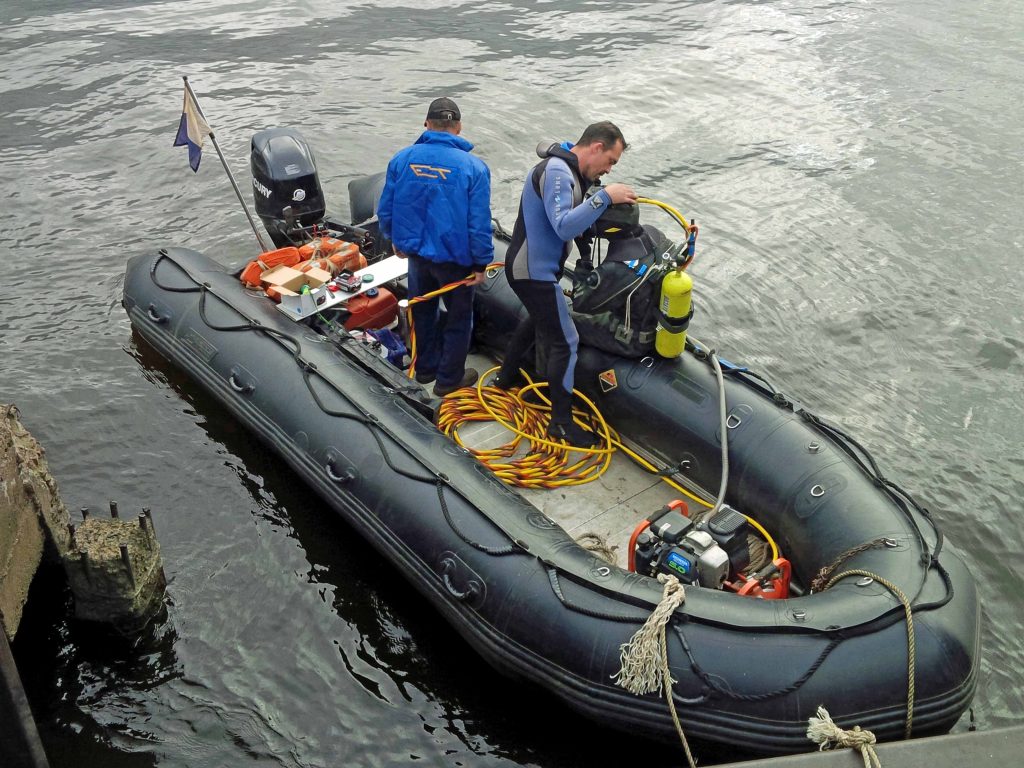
(285, 185)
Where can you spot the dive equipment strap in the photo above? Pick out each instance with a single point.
(672, 325)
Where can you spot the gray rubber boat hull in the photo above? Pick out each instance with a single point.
(536, 605)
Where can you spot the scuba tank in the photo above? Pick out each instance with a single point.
(675, 313)
(675, 305)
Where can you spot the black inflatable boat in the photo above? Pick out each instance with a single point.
(888, 639)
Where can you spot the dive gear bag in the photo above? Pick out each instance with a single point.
(615, 305)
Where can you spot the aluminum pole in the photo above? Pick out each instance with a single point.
(252, 223)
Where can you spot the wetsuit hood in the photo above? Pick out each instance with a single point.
(548, 149)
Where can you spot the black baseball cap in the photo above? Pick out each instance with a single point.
(443, 109)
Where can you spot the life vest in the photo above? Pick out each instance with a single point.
(288, 256)
(331, 254)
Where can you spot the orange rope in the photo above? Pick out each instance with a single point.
(541, 462)
(427, 297)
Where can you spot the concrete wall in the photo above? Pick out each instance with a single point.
(29, 500)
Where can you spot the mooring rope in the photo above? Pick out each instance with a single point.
(644, 658)
(911, 644)
(827, 735)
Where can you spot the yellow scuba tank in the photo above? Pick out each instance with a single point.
(675, 313)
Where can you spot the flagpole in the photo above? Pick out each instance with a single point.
(224, 162)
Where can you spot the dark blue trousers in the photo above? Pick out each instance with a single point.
(441, 347)
(551, 328)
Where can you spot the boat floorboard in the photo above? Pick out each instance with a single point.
(609, 507)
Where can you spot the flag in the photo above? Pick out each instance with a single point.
(192, 130)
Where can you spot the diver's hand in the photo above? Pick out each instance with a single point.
(476, 278)
(620, 193)
(399, 253)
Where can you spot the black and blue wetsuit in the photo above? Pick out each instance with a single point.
(552, 212)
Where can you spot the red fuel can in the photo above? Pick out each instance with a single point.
(376, 311)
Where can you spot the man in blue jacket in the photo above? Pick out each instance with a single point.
(553, 211)
(436, 209)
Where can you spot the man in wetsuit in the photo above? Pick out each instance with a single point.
(552, 212)
(436, 209)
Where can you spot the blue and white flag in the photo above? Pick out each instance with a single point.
(192, 130)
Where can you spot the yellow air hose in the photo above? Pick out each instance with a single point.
(546, 463)
(675, 214)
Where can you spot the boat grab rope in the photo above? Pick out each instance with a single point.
(903, 501)
(867, 463)
(911, 645)
(511, 549)
(556, 588)
(827, 735)
(644, 657)
(819, 581)
(835, 638)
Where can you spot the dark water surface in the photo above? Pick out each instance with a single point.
(856, 169)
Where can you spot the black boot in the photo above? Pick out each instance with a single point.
(507, 380)
(573, 434)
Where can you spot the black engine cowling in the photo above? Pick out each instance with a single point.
(285, 185)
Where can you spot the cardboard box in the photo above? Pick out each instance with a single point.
(288, 281)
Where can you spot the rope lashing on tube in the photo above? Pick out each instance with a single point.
(645, 657)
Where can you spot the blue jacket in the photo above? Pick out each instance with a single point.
(551, 214)
(436, 202)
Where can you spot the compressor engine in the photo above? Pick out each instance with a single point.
(705, 554)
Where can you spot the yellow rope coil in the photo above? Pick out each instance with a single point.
(545, 463)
